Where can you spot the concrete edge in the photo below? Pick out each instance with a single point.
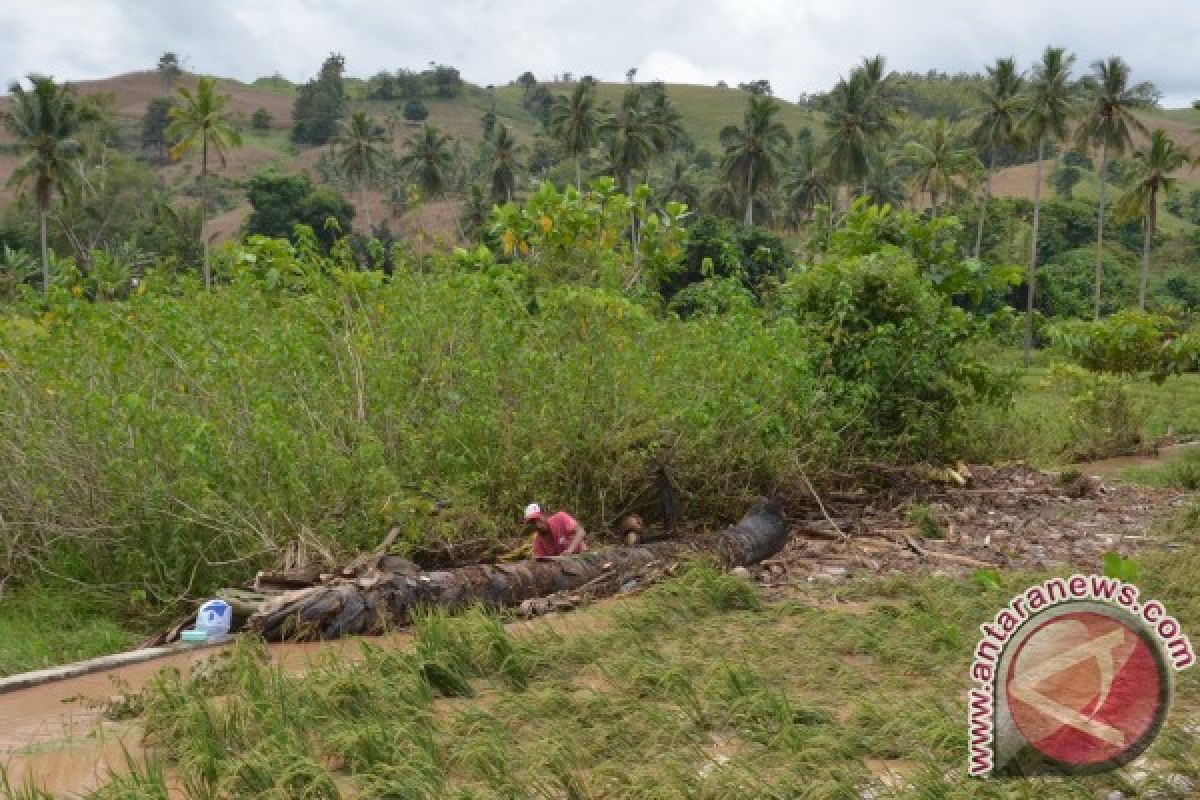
(28, 680)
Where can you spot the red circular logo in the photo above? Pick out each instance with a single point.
(1085, 688)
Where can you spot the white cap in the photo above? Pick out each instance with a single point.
(532, 511)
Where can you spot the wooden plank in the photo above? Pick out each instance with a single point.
(27, 680)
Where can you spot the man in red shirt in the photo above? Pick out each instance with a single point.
(554, 536)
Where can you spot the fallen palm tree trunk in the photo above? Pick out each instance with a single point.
(372, 604)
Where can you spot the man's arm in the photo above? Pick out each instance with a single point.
(576, 541)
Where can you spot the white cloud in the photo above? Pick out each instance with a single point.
(799, 45)
(660, 65)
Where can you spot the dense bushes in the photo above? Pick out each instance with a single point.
(169, 436)
(181, 432)
(895, 351)
(1130, 343)
(181, 436)
(718, 248)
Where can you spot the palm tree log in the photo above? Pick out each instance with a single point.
(373, 604)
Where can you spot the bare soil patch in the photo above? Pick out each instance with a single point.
(1007, 517)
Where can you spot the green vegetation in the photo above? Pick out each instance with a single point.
(320, 104)
(311, 399)
(692, 689)
(1177, 473)
(201, 120)
(754, 308)
(45, 122)
(45, 628)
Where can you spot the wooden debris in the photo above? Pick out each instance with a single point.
(373, 604)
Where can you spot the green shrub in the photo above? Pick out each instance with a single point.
(1128, 343)
(896, 352)
(1103, 418)
(923, 518)
(185, 436)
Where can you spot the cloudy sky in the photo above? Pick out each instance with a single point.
(800, 45)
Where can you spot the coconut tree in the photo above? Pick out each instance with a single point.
(629, 140)
(941, 165)
(430, 159)
(849, 142)
(1049, 104)
(881, 104)
(860, 121)
(359, 154)
(200, 118)
(1152, 166)
(45, 121)
(997, 126)
(503, 163)
(753, 151)
(1109, 122)
(806, 183)
(884, 184)
(666, 123)
(575, 122)
(679, 185)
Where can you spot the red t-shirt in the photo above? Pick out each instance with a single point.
(562, 531)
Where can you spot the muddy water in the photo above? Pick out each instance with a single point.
(54, 736)
(1109, 467)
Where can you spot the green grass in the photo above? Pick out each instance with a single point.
(694, 689)
(43, 628)
(1039, 426)
(274, 139)
(705, 109)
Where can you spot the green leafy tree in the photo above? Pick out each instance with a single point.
(415, 111)
(154, 125)
(575, 121)
(1049, 104)
(430, 159)
(446, 80)
(16, 268)
(261, 119)
(281, 202)
(942, 165)
(503, 156)
(1153, 165)
(320, 104)
(169, 69)
(997, 126)
(527, 81)
(1108, 121)
(474, 216)
(201, 119)
(45, 121)
(754, 151)
(360, 155)
(1064, 178)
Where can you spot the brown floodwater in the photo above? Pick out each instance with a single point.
(55, 736)
(1108, 467)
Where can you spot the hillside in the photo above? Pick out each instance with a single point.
(705, 110)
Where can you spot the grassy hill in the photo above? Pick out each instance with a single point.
(705, 111)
